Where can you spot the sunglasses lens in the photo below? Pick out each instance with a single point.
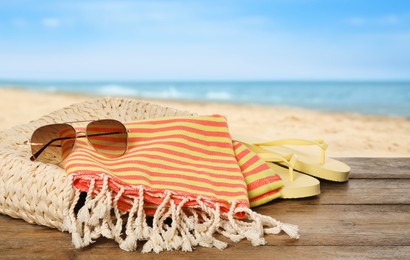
(52, 143)
(108, 137)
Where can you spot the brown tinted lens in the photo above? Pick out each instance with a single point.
(108, 137)
(52, 143)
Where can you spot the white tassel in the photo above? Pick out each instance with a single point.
(188, 241)
(219, 244)
(94, 219)
(69, 194)
(67, 225)
(83, 214)
(146, 231)
(255, 237)
(291, 230)
(176, 242)
(206, 240)
(102, 209)
(201, 227)
(189, 228)
(117, 229)
(147, 248)
(276, 226)
(130, 243)
(233, 237)
(88, 237)
(189, 221)
(186, 244)
(106, 231)
(76, 240)
(75, 227)
(156, 242)
(170, 234)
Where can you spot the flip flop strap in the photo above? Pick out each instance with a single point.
(296, 141)
(271, 156)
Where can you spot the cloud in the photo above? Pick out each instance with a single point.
(356, 21)
(386, 20)
(51, 22)
(389, 20)
(104, 13)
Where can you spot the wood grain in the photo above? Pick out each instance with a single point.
(367, 217)
(378, 168)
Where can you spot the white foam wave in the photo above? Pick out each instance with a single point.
(171, 93)
(117, 90)
(51, 89)
(219, 95)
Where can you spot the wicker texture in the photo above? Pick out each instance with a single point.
(34, 191)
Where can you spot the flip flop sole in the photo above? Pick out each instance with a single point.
(303, 185)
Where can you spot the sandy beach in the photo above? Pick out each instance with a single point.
(348, 135)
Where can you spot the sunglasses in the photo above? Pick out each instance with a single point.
(53, 143)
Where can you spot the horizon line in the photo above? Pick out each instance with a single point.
(5, 80)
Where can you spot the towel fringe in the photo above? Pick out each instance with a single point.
(270, 225)
(174, 227)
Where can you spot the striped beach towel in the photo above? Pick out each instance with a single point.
(186, 174)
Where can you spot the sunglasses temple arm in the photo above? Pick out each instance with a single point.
(38, 153)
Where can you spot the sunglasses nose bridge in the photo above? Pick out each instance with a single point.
(81, 134)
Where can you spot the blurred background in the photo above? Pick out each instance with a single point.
(339, 55)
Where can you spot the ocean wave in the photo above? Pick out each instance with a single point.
(117, 90)
(219, 95)
(51, 89)
(169, 92)
(386, 98)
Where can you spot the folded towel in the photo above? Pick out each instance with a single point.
(186, 173)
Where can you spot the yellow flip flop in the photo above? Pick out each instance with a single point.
(296, 185)
(320, 167)
(302, 186)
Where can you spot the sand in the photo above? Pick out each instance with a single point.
(348, 135)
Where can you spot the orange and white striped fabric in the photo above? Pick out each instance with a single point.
(189, 156)
(262, 183)
(187, 162)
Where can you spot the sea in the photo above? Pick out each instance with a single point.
(390, 98)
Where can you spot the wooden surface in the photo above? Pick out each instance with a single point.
(368, 217)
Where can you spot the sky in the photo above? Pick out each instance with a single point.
(205, 40)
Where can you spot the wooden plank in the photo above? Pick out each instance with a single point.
(358, 235)
(107, 250)
(378, 168)
(268, 252)
(347, 225)
(358, 192)
(365, 191)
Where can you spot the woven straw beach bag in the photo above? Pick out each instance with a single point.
(33, 191)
